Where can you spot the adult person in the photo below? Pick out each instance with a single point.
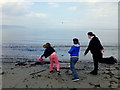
(97, 53)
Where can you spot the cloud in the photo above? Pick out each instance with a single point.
(40, 15)
(104, 10)
(92, 1)
(73, 8)
(54, 5)
(15, 7)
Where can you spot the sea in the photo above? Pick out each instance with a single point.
(25, 45)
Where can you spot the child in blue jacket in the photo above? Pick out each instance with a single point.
(74, 56)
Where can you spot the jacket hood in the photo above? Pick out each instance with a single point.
(77, 45)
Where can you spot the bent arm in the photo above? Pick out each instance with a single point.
(71, 50)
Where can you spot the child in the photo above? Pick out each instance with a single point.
(50, 52)
(74, 53)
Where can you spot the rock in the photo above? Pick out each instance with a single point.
(39, 75)
(73, 89)
(110, 86)
(118, 77)
(2, 73)
(20, 64)
(112, 81)
(63, 79)
(117, 68)
(91, 83)
(97, 85)
(33, 77)
(12, 68)
(48, 76)
(26, 86)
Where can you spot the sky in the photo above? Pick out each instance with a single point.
(60, 15)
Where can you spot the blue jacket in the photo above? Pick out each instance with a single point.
(74, 51)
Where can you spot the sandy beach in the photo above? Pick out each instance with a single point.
(38, 76)
(28, 75)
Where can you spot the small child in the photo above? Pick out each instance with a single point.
(50, 52)
(74, 56)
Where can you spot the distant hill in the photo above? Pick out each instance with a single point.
(12, 27)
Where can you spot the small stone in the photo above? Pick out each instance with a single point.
(2, 73)
(12, 68)
(39, 75)
(97, 85)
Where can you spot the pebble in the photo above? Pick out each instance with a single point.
(2, 73)
(97, 85)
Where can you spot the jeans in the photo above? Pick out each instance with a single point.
(73, 61)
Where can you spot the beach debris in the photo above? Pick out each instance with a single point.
(97, 85)
(48, 77)
(39, 75)
(117, 68)
(38, 72)
(73, 89)
(33, 77)
(65, 68)
(63, 80)
(91, 83)
(40, 63)
(112, 81)
(26, 86)
(117, 77)
(11, 68)
(110, 86)
(2, 73)
(20, 64)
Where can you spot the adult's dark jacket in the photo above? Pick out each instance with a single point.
(94, 46)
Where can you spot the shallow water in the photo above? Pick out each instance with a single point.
(26, 45)
(23, 53)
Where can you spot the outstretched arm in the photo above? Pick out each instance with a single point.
(44, 54)
(87, 50)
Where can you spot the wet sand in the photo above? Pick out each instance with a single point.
(38, 76)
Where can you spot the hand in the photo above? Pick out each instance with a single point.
(103, 50)
(84, 55)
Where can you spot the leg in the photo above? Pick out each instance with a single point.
(51, 63)
(95, 65)
(57, 62)
(95, 60)
(73, 61)
(109, 60)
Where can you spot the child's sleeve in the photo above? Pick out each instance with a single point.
(45, 53)
(71, 50)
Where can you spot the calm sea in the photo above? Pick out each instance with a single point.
(26, 44)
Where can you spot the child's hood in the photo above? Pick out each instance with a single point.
(77, 45)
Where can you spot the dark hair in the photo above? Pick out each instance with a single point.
(91, 34)
(47, 45)
(75, 41)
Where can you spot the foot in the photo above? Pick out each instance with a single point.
(94, 73)
(115, 60)
(58, 72)
(51, 71)
(75, 79)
